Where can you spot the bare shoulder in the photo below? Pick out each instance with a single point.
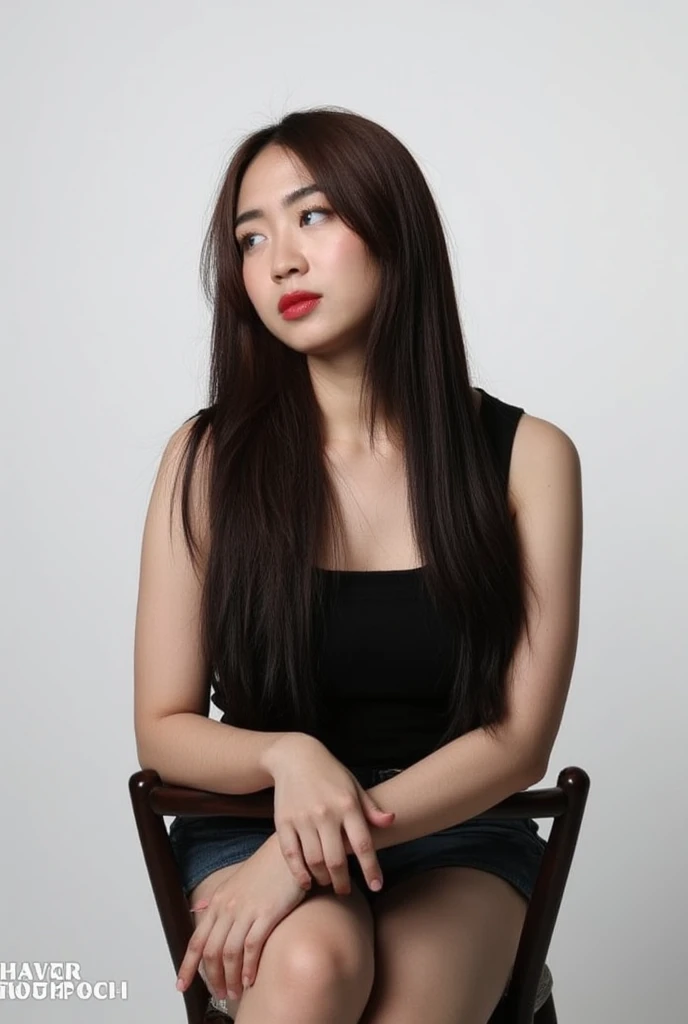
(174, 457)
(544, 459)
(167, 491)
(178, 443)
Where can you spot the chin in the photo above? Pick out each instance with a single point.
(307, 341)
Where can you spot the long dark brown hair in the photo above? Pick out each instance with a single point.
(270, 502)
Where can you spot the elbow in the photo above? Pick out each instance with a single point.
(536, 770)
(529, 765)
(144, 757)
(154, 747)
(530, 754)
(526, 761)
(537, 777)
(146, 748)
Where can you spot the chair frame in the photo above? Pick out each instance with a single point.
(565, 803)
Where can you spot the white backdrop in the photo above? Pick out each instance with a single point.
(553, 135)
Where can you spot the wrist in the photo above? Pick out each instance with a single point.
(278, 749)
(273, 851)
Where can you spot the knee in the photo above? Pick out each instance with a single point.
(318, 963)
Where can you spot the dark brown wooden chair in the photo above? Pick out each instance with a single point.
(528, 998)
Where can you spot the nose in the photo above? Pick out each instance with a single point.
(287, 258)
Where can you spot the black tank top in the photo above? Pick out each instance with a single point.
(384, 666)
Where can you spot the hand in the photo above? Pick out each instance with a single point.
(239, 916)
(315, 798)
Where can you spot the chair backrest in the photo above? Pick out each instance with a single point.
(565, 803)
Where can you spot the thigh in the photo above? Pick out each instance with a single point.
(446, 941)
(203, 845)
(325, 934)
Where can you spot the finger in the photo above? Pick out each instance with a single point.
(194, 952)
(335, 860)
(290, 846)
(375, 813)
(253, 948)
(363, 847)
(213, 956)
(233, 959)
(204, 969)
(313, 852)
(380, 818)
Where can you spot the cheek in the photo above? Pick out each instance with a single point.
(252, 286)
(347, 261)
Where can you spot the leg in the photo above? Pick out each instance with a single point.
(317, 964)
(446, 941)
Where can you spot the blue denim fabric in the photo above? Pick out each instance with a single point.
(509, 848)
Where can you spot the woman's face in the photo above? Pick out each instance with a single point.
(303, 246)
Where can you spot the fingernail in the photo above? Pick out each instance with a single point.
(245, 982)
(376, 885)
(180, 985)
(232, 995)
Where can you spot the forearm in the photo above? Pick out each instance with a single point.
(465, 777)
(187, 749)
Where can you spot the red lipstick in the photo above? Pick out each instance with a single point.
(298, 303)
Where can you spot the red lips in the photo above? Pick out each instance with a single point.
(291, 297)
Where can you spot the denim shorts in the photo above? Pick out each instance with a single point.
(507, 847)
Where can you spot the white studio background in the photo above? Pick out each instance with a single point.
(553, 136)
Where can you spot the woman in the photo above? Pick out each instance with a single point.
(377, 567)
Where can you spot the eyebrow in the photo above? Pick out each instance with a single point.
(288, 200)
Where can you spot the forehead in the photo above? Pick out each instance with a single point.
(272, 173)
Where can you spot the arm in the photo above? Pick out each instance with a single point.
(471, 774)
(171, 691)
(188, 749)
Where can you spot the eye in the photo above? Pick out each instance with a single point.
(315, 209)
(243, 240)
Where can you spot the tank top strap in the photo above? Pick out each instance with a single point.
(500, 420)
